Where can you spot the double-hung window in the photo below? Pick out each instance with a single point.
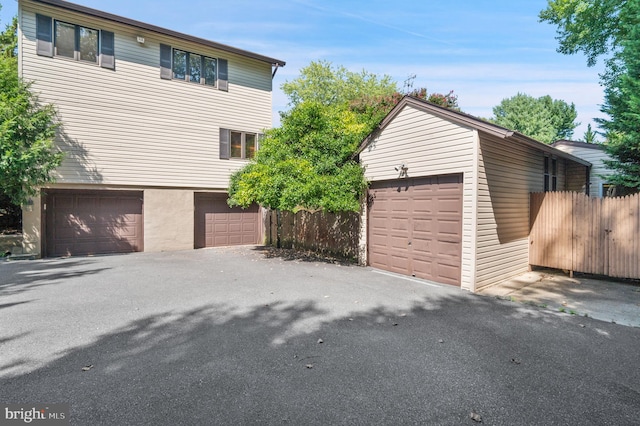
(236, 144)
(77, 42)
(177, 64)
(193, 68)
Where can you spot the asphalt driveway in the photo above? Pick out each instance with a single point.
(231, 336)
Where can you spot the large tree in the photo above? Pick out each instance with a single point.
(307, 163)
(324, 83)
(622, 102)
(588, 26)
(608, 28)
(27, 129)
(543, 118)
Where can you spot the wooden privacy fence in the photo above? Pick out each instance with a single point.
(330, 233)
(572, 231)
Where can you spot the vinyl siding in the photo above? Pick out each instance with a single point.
(130, 127)
(428, 146)
(576, 177)
(508, 172)
(595, 155)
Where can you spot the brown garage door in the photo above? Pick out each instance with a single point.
(415, 227)
(93, 222)
(217, 224)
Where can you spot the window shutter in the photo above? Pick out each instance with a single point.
(225, 135)
(165, 62)
(223, 75)
(44, 35)
(107, 57)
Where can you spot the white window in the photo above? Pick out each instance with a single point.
(76, 42)
(194, 68)
(237, 144)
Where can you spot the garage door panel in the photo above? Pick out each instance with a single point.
(447, 274)
(415, 227)
(80, 222)
(422, 268)
(88, 203)
(249, 228)
(400, 207)
(448, 249)
(448, 207)
(64, 202)
(235, 228)
(449, 227)
(217, 224)
(398, 262)
(423, 225)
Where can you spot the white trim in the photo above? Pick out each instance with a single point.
(20, 55)
(406, 278)
(474, 208)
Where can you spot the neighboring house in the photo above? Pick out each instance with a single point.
(449, 194)
(593, 153)
(154, 122)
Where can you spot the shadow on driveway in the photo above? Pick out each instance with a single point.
(436, 363)
(21, 276)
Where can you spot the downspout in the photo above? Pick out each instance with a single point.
(275, 70)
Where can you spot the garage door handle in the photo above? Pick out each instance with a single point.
(409, 243)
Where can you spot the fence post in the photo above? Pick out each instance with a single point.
(278, 228)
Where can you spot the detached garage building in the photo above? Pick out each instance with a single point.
(449, 194)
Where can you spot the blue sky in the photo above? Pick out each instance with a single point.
(484, 50)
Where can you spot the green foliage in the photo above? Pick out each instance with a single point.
(588, 26)
(328, 85)
(8, 40)
(589, 135)
(596, 28)
(27, 129)
(622, 102)
(308, 163)
(543, 119)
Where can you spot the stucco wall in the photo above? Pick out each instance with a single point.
(32, 227)
(168, 219)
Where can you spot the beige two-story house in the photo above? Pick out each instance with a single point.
(153, 124)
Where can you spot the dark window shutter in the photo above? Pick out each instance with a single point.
(107, 57)
(223, 75)
(44, 35)
(165, 62)
(225, 135)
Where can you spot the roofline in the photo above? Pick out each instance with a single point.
(153, 28)
(580, 144)
(467, 120)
